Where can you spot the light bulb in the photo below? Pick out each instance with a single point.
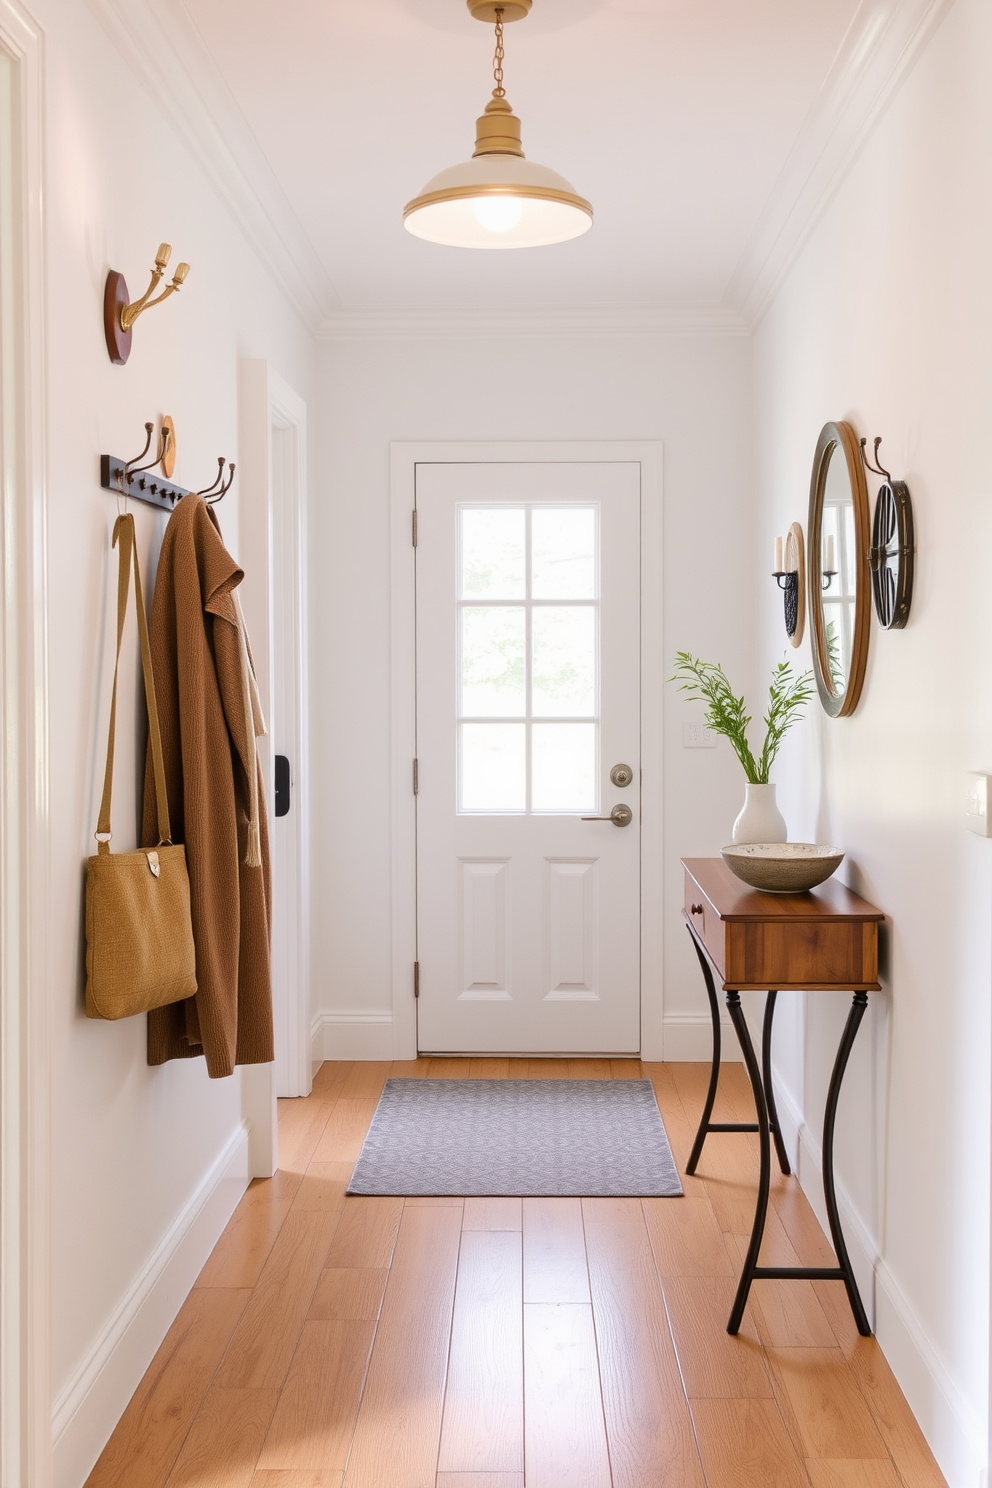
(498, 214)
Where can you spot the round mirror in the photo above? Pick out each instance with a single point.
(839, 582)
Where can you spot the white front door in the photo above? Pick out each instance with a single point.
(528, 684)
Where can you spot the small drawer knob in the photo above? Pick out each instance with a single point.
(696, 908)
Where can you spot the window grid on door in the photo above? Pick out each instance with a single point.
(528, 602)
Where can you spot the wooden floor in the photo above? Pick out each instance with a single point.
(485, 1343)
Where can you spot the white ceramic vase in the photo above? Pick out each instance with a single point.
(760, 820)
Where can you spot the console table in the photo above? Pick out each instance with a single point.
(824, 940)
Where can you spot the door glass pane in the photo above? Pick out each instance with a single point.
(563, 552)
(564, 767)
(493, 552)
(493, 647)
(493, 767)
(564, 676)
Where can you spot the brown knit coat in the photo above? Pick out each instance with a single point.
(196, 658)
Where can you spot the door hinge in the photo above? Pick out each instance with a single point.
(416, 777)
(414, 527)
(416, 978)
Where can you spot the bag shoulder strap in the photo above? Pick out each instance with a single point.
(128, 555)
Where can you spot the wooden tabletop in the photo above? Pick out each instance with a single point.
(733, 900)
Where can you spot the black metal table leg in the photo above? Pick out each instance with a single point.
(764, 1172)
(766, 1071)
(858, 1005)
(704, 1122)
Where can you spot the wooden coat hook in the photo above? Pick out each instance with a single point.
(119, 314)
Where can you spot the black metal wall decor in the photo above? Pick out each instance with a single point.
(893, 546)
(129, 479)
(791, 579)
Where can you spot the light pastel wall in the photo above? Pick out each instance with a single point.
(886, 320)
(692, 392)
(131, 1145)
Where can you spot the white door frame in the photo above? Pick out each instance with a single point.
(272, 537)
(404, 458)
(25, 985)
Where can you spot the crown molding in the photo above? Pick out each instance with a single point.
(482, 324)
(162, 48)
(877, 53)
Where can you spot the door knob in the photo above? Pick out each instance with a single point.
(621, 775)
(620, 816)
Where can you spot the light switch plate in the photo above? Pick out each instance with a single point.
(697, 736)
(976, 807)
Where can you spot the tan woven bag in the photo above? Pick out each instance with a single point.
(139, 937)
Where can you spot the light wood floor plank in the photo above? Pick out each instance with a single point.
(554, 1251)
(565, 1434)
(546, 1069)
(822, 1405)
(483, 1424)
(349, 1294)
(323, 1186)
(366, 1232)
(154, 1425)
(589, 1069)
(712, 1362)
(344, 1132)
(493, 1214)
(291, 1478)
(442, 1068)
(265, 1338)
(787, 1314)
(489, 1069)
(330, 1077)
(222, 1447)
(729, 1164)
(241, 1252)
(365, 1080)
(315, 1419)
(399, 1421)
(626, 1069)
(744, 1444)
(854, 1472)
(480, 1480)
(648, 1424)
(433, 1201)
(409, 1069)
(301, 1124)
(686, 1239)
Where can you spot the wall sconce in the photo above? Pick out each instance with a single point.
(119, 315)
(790, 576)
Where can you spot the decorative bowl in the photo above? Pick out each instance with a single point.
(782, 867)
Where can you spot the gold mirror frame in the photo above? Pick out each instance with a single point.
(840, 438)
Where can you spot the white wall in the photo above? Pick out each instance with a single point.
(692, 392)
(131, 1145)
(886, 320)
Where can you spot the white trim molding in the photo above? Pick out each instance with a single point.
(953, 1431)
(689, 1039)
(353, 1035)
(25, 898)
(93, 1400)
(882, 43)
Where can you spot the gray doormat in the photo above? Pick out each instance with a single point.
(594, 1138)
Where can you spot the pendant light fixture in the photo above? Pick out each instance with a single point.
(498, 199)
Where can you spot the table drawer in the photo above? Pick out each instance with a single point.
(707, 924)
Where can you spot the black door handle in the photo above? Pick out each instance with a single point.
(282, 785)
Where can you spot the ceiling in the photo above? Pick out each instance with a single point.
(694, 126)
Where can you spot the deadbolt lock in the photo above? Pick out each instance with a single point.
(621, 775)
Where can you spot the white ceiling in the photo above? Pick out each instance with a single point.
(705, 133)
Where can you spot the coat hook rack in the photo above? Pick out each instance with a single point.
(131, 479)
(119, 314)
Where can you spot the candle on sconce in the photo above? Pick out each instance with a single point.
(829, 565)
(778, 555)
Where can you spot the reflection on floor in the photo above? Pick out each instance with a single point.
(442, 1343)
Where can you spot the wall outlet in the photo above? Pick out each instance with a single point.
(976, 806)
(697, 736)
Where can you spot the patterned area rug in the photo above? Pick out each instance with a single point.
(594, 1138)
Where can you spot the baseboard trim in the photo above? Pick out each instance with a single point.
(352, 1035)
(689, 1039)
(952, 1430)
(88, 1409)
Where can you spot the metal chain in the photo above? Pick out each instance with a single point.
(499, 91)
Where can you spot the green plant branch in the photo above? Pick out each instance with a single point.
(726, 714)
